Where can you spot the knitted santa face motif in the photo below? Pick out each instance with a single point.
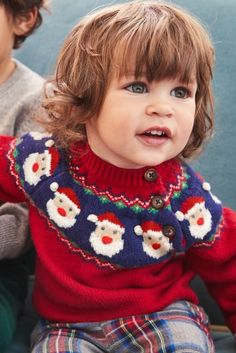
(107, 237)
(38, 165)
(197, 215)
(64, 207)
(155, 243)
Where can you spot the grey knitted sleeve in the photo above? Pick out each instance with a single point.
(20, 96)
(13, 230)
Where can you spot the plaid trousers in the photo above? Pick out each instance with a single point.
(181, 327)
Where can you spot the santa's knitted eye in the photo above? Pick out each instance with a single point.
(193, 216)
(149, 238)
(43, 158)
(60, 200)
(160, 238)
(43, 168)
(200, 209)
(114, 231)
(102, 228)
(70, 209)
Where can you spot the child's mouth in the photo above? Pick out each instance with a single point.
(155, 136)
(155, 133)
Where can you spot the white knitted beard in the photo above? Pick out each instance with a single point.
(105, 249)
(156, 254)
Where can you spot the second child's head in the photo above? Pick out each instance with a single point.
(25, 17)
(150, 64)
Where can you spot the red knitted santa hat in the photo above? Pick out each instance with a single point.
(187, 205)
(147, 226)
(190, 203)
(54, 158)
(66, 193)
(106, 218)
(69, 194)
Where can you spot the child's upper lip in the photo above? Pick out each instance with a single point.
(158, 131)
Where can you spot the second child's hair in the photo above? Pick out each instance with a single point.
(157, 38)
(20, 7)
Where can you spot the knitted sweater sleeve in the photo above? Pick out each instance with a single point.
(13, 218)
(19, 112)
(216, 264)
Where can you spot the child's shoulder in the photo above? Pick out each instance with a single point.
(27, 72)
(194, 185)
(194, 181)
(26, 78)
(195, 206)
(34, 141)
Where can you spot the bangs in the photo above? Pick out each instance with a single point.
(163, 45)
(157, 58)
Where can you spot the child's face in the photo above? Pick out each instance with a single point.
(10, 27)
(143, 124)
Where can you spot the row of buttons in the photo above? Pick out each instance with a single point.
(158, 202)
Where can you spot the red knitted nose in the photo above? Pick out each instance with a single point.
(156, 246)
(106, 239)
(61, 211)
(200, 221)
(35, 167)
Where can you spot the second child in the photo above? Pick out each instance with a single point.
(20, 100)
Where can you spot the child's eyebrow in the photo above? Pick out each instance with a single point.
(132, 76)
(192, 80)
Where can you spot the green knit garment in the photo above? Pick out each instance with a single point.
(9, 308)
(13, 290)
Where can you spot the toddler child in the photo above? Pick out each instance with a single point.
(121, 223)
(20, 95)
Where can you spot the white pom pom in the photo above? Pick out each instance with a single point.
(138, 230)
(49, 143)
(92, 218)
(54, 186)
(37, 136)
(206, 186)
(179, 216)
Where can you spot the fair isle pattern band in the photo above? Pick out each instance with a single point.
(109, 230)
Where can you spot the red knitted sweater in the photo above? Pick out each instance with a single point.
(113, 242)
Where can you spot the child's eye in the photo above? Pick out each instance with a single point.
(180, 92)
(137, 87)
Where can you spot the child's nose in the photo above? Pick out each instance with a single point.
(159, 108)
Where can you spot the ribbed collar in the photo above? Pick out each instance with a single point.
(85, 164)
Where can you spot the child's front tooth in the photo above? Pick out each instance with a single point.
(155, 132)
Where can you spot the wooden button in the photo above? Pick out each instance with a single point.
(150, 174)
(169, 231)
(157, 201)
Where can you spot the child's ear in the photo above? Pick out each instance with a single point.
(23, 23)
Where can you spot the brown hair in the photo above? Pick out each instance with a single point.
(20, 7)
(164, 40)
